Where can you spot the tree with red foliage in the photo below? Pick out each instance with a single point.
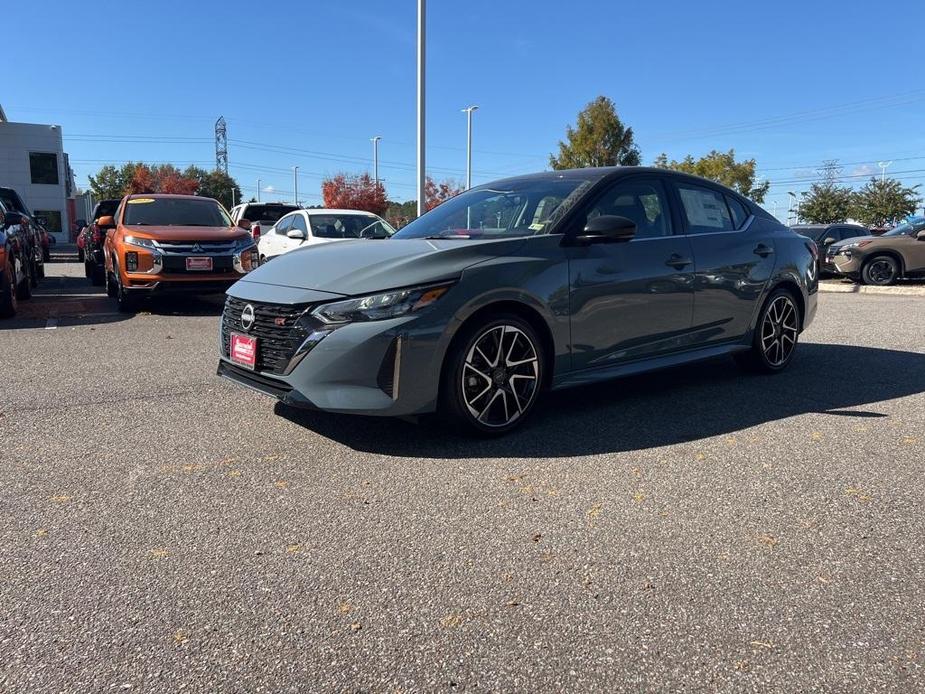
(354, 192)
(436, 193)
(160, 179)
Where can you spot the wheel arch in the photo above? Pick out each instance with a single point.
(889, 252)
(793, 287)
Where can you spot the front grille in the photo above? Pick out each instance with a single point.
(276, 327)
(195, 247)
(176, 265)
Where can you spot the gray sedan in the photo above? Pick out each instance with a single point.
(538, 282)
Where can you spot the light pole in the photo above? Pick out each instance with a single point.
(422, 26)
(468, 111)
(883, 167)
(295, 184)
(258, 190)
(375, 142)
(793, 197)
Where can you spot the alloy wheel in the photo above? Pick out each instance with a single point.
(779, 330)
(881, 271)
(500, 376)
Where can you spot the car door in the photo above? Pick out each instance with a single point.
(630, 299)
(276, 237)
(734, 260)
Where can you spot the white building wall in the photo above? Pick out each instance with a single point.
(17, 140)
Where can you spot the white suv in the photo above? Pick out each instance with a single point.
(315, 226)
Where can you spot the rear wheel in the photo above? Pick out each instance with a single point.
(493, 376)
(97, 276)
(24, 290)
(8, 302)
(776, 335)
(881, 270)
(35, 274)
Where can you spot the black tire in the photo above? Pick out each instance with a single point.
(24, 290)
(46, 255)
(8, 301)
(88, 269)
(776, 335)
(126, 302)
(881, 271)
(40, 270)
(34, 274)
(80, 255)
(479, 396)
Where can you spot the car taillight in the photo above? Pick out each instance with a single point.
(814, 250)
(96, 234)
(255, 231)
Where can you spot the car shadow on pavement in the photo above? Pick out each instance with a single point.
(659, 409)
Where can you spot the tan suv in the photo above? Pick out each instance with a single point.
(882, 259)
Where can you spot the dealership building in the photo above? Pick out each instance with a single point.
(33, 163)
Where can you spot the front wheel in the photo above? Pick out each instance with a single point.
(881, 270)
(126, 302)
(776, 335)
(493, 376)
(8, 302)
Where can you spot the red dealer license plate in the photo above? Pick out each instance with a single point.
(244, 350)
(199, 264)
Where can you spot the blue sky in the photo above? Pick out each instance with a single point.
(308, 83)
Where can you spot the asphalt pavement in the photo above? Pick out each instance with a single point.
(699, 529)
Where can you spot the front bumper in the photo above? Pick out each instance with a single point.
(847, 264)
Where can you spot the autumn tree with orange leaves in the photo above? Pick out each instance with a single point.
(354, 192)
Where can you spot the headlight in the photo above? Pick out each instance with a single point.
(144, 243)
(381, 306)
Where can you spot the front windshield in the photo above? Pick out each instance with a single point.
(175, 212)
(349, 226)
(907, 228)
(521, 208)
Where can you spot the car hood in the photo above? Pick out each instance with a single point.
(187, 233)
(354, 267)
(847, 242)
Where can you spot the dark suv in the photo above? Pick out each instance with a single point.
(824, 235)
(15, 265)
(94, 237)
(18, 213)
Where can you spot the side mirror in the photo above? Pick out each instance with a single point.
(106, 222)
(828, 241)
(607, 229)
(295, 234)
(244, 223)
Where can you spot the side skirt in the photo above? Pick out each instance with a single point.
(586, 376)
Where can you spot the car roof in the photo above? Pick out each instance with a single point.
(169, 196)
(335, 210)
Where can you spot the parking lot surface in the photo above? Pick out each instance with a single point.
(697, 529)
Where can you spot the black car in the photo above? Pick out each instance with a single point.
(94, 239)
(15, 265)
(32, 233)
(824, 235)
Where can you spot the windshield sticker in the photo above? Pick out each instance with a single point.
(139, 201)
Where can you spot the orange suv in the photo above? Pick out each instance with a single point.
(172, 243)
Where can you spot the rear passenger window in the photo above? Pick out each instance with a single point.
(739, 213)
(705, 209)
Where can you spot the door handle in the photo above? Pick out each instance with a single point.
(677, 262)
(763, 251)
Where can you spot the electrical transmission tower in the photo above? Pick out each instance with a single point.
(221, 145)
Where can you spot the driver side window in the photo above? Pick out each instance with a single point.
(644, 202)
(284, 225)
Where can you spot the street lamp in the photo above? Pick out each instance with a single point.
(375, 142)
(295, 184)
(883, 167)
(793, 197)
(258, 190)
(422, 25)
(468, 111)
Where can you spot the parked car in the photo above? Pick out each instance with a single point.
(15, 264)
(311, 227)
(159, 243)
(31, 232)
(92, 241)
(549, 280)
(881, 260)
(258, 217)
(824, 235)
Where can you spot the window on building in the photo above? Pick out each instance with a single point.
(44, 167)
(52, 219)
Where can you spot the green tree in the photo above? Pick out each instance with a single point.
(215, 184)
(111, 182)
(827, 202)
(883, 202)
(599, 139)
(721, 167)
